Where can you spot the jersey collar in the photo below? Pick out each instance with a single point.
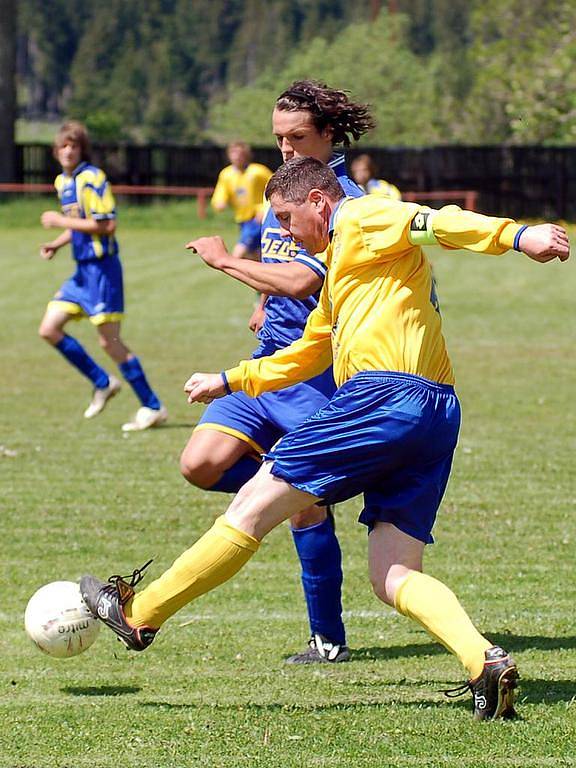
(79, 168)
(338, 164)
(334, 215)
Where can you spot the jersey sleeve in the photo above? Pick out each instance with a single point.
(221, 195)
(96, 196)
(457, 228)
(305, 358)
(316, 263)
(395, 227)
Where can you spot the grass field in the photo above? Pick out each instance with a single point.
(213, 690)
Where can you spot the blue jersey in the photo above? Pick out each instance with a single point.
(286, 317)
(86, 194)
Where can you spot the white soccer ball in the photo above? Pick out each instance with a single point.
(58, 621)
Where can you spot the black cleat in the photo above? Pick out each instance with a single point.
(320, 650)
(105, 601)
(493, 691)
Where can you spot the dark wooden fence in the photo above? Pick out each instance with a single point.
(523, 182)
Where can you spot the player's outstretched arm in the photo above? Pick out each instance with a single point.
(287, 279)
(545, 242)
(205, 387)
(48, 250)
(53, 219)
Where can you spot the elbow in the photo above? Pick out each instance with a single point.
(302, 294)
(302, 291)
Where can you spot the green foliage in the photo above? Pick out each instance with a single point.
(212, 691)
(436, 71)
(525, 86)
(384, 70)
(104, 125)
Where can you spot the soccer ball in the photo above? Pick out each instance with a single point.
(58, 621)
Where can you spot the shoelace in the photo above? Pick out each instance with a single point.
(135, 577)
(460, 690)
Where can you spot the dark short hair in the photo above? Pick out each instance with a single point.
(75, 131)
(294, 180)
(328, 107)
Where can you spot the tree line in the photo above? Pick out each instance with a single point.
(434, 71)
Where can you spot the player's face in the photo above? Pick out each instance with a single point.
(361, 173)
(238, 156)
(297, 136)
(305, 223)
(69, 155)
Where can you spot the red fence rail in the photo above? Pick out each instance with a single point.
(468, 197)
(202, 194)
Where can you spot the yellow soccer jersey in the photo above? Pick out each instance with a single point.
(243, 191)
(86, 194)
(378, 308)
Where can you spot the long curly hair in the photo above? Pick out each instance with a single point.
(328, 107)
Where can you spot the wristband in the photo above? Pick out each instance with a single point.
(517, 237)
(226, 385)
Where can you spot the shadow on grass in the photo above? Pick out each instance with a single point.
(530, 692)
(510, 642)
(100, 690)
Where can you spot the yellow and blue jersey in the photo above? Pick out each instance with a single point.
(378, 309)
(285, 316)
(243, 190)
(86, 194)
(385, 188)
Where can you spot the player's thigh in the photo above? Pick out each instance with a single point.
(53, 320)
(264, 502)
(217, 448)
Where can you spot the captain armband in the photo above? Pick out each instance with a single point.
(421, 232)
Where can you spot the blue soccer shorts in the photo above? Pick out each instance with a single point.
(262, 421)
(390, 436)
(94, 290)
(250, 234)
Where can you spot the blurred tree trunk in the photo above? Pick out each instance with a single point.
(7, 87)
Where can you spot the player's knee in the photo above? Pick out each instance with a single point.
(381, 589)
(198, 471)
(106, 343)
(50, 334)
(308, 517)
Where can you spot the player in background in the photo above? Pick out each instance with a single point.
(241, 186)
(363, 172)
(95, 290)
(309, 119)
(389, 431)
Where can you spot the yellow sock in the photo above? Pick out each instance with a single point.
(436, 608)
(211, 561)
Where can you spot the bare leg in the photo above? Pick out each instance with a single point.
(111, 343)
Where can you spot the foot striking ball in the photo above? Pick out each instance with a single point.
(58, 621)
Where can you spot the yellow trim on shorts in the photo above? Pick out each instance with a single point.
(232, 432)
(72, 309)
(77, 313)
(106, 317)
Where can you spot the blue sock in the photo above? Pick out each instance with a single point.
(135, 376)
(321, 561)
(77, 356)
(234, 478)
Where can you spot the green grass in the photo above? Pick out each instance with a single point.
(213, 691)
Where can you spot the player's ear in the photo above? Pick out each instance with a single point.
(316, 197)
